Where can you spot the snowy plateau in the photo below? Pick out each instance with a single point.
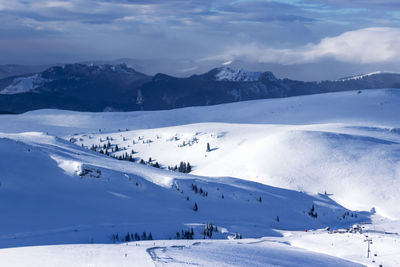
(299, 181)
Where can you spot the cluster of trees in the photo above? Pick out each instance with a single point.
(349, 214)
(150, 162)
(237, 236)
(209, 228)
(104, 149)
(131, 237)
(125, 156)
(191, 142)
(187, 234)
(184, 167)
(200, 191)
(108, 148)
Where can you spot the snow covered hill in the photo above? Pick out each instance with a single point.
(303, 163)
(304, 143)
(61, 193)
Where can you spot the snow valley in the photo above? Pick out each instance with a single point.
(306, 180)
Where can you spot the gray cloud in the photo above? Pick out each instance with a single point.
(43, 31)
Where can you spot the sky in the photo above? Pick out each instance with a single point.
(304, 39)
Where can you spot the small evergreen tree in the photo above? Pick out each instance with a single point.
(137, 237)
(195, 208)
(127, 237)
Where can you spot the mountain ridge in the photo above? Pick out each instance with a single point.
(119, 87)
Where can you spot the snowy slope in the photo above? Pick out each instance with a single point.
(344, 144)
(61, 193)
(368, 108)
(24, 84)
(171, 253)
(348, 162)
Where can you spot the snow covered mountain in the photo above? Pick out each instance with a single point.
(228, 74)
(100, 87)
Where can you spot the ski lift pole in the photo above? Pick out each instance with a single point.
(369, 241)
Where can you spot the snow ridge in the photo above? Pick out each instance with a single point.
(358, 77)
(228, 74)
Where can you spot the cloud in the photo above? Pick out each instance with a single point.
(366, 46)
(360, 3)
(290, 32)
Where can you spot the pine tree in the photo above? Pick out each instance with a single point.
(127, 237)
(137, 237)
(156, 165)
(195, 208)
(208, 147)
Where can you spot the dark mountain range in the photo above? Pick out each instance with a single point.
(85, 87)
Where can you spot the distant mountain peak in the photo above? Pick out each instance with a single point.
(233, 75)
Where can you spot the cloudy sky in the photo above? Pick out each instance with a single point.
(310, 39)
